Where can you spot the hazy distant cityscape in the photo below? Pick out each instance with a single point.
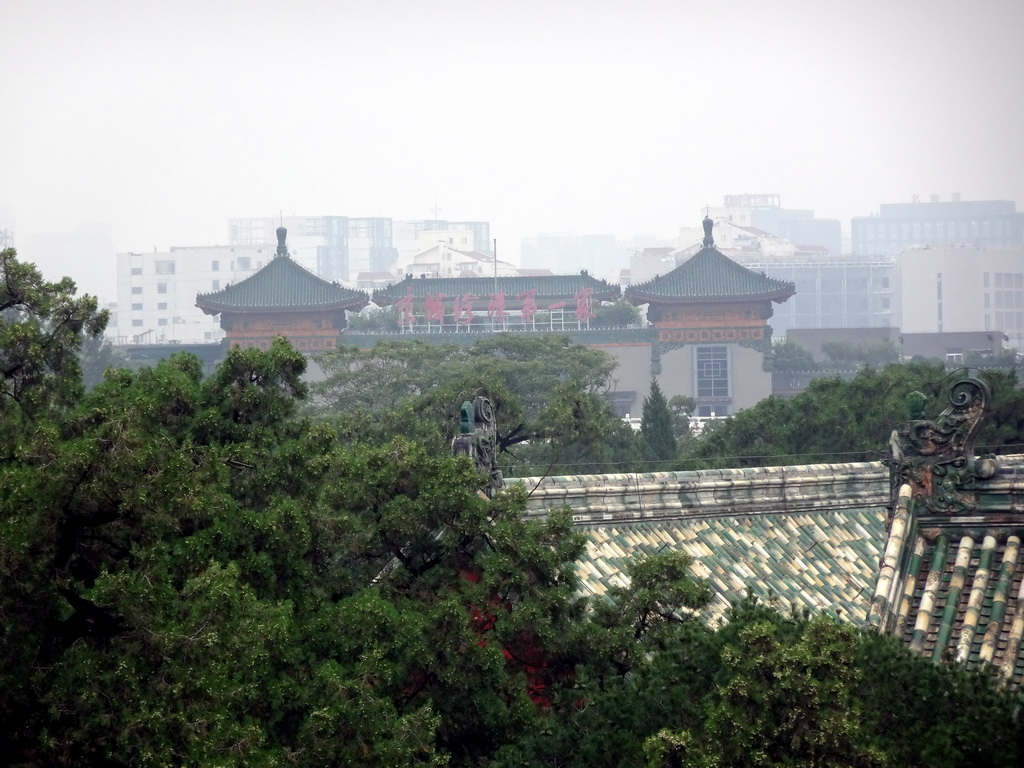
(932, 266)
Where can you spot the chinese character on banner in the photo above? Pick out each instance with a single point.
(529, 305)
(464, 309)
(435, 308)
(496, 309)
(583, 313)
(404, 307)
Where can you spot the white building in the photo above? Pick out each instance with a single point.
(156, 292)
(950, 289)
(412, 236)
(442, 259)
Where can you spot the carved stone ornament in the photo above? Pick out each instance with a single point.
(936, 457)
(478, 439)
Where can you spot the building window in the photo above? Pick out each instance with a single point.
(136, 289)
(164, 267)
(161, 287)
(245, 263)
(161, 305)
(215, 265)
(162, 321)
(216, 285)
(137, 307)
(136, 323)
(136, 270)
(712, 370)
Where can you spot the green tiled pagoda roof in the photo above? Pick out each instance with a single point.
(281, 286)
(548, 287)
(709, 275)
(825, 561)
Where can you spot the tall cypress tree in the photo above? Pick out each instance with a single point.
(656, 424)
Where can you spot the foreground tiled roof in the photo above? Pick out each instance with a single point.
(709, 276)
(824, 561)
(281, 286)
(548, 287)
(951, 580)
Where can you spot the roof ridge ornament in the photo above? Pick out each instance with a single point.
(282, 249)
(936, 457)
(709, 241)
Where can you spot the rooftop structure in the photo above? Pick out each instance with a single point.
(450, 304)
(719, 311)
(925, 546)
(282, 299)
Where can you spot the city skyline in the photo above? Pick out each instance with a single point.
(155, 125)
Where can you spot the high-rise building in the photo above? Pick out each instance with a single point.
(156, 292)
(765, 212)
(334, 247)
(845, 292)
(959, 289)
(899, 226)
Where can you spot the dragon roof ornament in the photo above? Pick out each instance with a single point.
(936, 457)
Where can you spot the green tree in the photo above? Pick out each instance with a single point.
(778, 703)
(681, 407)
(657, 425)
(616, 315)
(836, 420)
(547, 394)
(790, 357)
(42, 327)
(195, 574)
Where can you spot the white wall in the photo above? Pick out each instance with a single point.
(156, 305)
(982, 289)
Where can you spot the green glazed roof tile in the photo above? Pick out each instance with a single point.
(737, 554)
(282, 285)
(709, 275)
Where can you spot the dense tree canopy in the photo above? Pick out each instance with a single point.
(837, 420)
(195, 573)
(547, 392)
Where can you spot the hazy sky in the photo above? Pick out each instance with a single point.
(160, 120)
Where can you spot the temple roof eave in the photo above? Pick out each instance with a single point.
(709, 276)
(637, 298)
(214, 308)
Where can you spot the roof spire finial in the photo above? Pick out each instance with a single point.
(282, 249)
(709, 241)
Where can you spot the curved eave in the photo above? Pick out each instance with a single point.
(214, 308)
(636, 298)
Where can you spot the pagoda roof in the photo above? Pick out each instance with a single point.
(546, 286)
(282, 286)
(709, 276)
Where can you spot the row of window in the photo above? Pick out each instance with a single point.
(1004, 279)
(938, 230)
(167, 267)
